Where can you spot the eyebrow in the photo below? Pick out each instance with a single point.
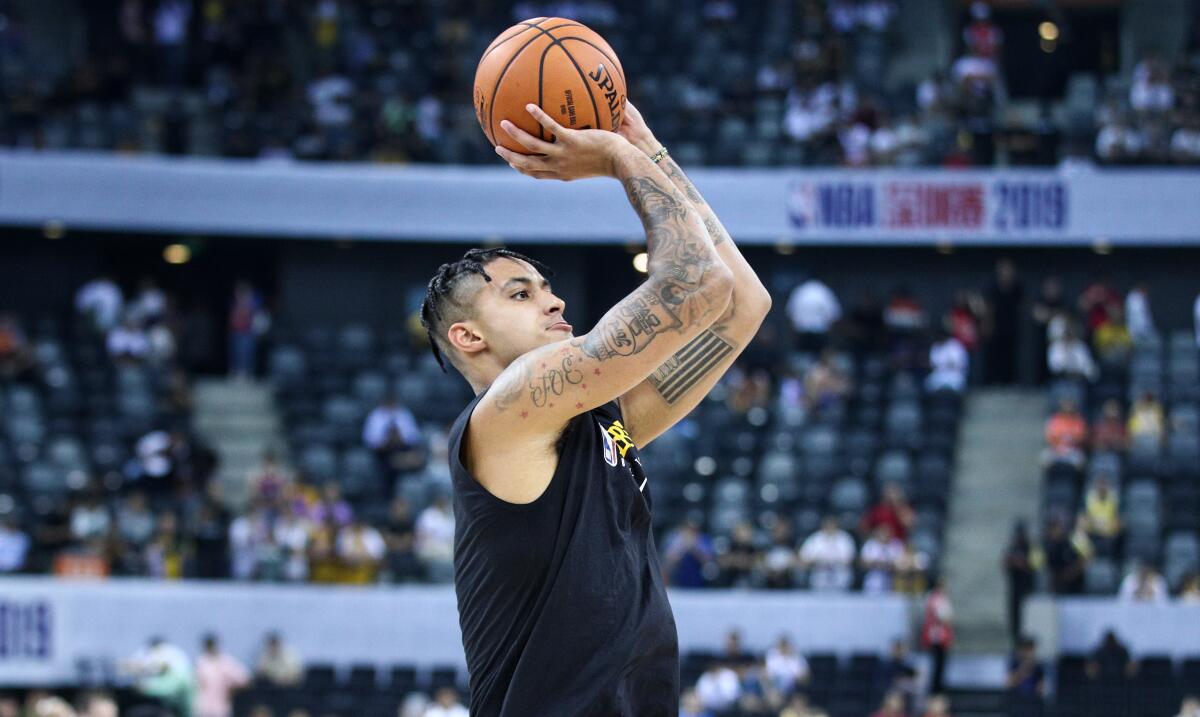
(523, 281)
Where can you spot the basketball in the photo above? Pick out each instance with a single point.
(558, 64)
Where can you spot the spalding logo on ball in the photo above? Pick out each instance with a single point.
(560, 65)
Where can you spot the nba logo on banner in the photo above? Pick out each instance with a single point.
(610, 448)
(802, 204)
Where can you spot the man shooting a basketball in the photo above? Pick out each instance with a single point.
(560, 594)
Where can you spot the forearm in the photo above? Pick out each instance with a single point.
(684, 269)
(750, 296)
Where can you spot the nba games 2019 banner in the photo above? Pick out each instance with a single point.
(1077, 206)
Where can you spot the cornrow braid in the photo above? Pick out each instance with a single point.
(445, 280)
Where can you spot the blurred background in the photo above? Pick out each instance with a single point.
(957, 472)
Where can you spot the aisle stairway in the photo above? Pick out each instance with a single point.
(997, 484)
(238, 419)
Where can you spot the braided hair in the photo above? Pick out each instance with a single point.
(439, 294)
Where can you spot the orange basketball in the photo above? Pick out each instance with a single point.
(560, 65)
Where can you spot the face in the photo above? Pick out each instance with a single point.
(515, 313)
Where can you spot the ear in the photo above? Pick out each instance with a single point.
(464, 337)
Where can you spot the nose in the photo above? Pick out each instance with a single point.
(555, 305)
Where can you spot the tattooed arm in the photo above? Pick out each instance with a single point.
(687, 287)
(685, 379)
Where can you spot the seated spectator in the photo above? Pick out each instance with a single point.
(1185, 141)
(100, 302)
(896, 672)
(825, 384)
(828, 556)
(948, 364)
(1138, 317)
(1112, 339)
(278, 664)
(892, 706)
(798, 706)
(268, 481)
(129, 343)
(392, 432)
(1190, 707)
(96, 704)
(892, 510)
(163, 671)
(1144, 584)
(786, 669)
(1066, 436)
(400, 536)
(17, 359)
(937, 706)
(1026, 677)
(1102, 506)
(218, 676)
(1189, 594)
(14, 546)
(687, 554)
(135, 521)
(691, 706)
(446, 704)
(739, 561)
(1097, 301)
(1081, 540)
(361, 550)
(1070, 358)
(759, 695)
(1066, 565)
(1151, 89)
(1120, 141)
(963, 319)
(719, 688)
(903, 313)
(292, 532)
(911, 571)
(1146, 420)
(878, 559)
(1110, 662)
(90, 519)
(813, 309)
(1109, 432)
(780, 558)
(435, 540)
(733, 652)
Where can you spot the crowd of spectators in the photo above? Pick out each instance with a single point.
(788, 83)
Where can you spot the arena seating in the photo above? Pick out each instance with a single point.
(1157, 688)
(1156, 480)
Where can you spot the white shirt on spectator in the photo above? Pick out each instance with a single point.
(1114, 140)
(719, 689)
(786, 669)
(330, 97)
(171, 21)
(435, 534)
(150, 304)
(383, 418)
(1072, 358)
(948, 363)
(1138, 318)
(1185, 144)
(813, 308)
(831, 556)
(1146, 95)
(102, 300)
(358, 543)
(126, 341)
(856, 143)
(436, 710)
(14, 546)
(1129, 588)
(89, 521)
(879, 579)
(976, 70)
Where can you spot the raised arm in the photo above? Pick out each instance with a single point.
(686, 289)
(684, 379)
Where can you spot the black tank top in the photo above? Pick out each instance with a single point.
(561, 601)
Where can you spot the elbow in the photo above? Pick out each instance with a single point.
(720, 282)
(759, 300)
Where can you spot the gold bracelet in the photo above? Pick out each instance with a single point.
(659, 156)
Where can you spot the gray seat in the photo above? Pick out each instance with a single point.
(777, 467)
(848, 495)
(319, 462)
(1101, 577)
(927, 541)
(25, 429)
(1184, 449)
(67, 452)
(287, 365)
(359, 461)
(23, 400)
(370, 387)
(819, 440)
(903, 418)
(41, 478)
(730, 492)
(894, 467)
(1065, 390)
(343, 411)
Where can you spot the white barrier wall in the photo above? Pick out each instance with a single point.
(362, 201)
(1170, 629)
(48, 624)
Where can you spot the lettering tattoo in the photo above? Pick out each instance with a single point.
(683, 371)
(554, 381)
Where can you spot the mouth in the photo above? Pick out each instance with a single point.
(559, 326)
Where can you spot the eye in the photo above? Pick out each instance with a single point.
(521, 295)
